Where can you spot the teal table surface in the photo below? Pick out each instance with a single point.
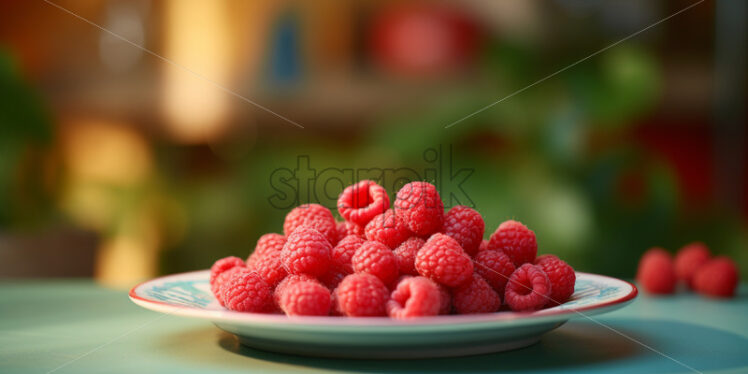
(65, 326)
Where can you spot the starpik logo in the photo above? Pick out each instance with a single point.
(309, 183)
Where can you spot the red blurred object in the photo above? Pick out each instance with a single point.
(423, 39)
(717, 278)
(632, 187)
(656, 272)
(688, 261)
(688, 148)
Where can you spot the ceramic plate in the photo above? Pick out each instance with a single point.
(188, 294)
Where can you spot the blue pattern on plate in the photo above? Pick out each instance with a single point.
(590, 291)
(182, 292)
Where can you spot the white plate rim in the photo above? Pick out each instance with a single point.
(279, 320)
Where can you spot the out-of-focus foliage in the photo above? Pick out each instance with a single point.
(445, 95)
(24, 128)
(533, 157)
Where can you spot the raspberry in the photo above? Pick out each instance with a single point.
(406, 255)
(516, 240)
(528, 289)
(221, 266)
(442, 260)
(314, 216)
(495, 267)
(414, 297)
(465, 225)
(270, 268)
(342, 231)
(445, 307)
(718, 278)
(247, 292)
(305, 298)
(387, 228)
(656, 272)
(306, 252)
(335, 306)
(688, 260)
(361, 295)
(292, 278)
(332, 278)
(475, 296)
(346, 228)
(268, 244)
(361, 202)
(224, 277)
(561, 276)
(354, 229)
(418, 204)
(483, 245)
(344, 251)
(376, 259)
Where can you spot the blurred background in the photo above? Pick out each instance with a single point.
(120, 163)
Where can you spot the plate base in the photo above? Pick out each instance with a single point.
(447, 346)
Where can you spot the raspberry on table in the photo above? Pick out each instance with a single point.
(314, 216)
(414, 297)
(360, 202)
(306, 252)
(419, 205)
(268, 245)
(483, 245)
(465, 225)
(689, 259)
(717, 278)
(442, 260)
(305, 298)
(656, 273)
(376, 259)
(247, 292)
(387, 228)
(495, 267)
(561, 276)
(406, 255)
(270, 268)
(344, 251)
(516, 240)
(221, 266)
(475, 296)
(361, 295)
(528, 289)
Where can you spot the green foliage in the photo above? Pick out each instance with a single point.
(24, 124)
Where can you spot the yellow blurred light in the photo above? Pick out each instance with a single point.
(107, 164)
(197, 37)
(123, 259)
(130, 253)
(105, 152)
(90, 205)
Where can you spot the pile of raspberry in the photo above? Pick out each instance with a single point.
(693, 267)
(411, 259)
